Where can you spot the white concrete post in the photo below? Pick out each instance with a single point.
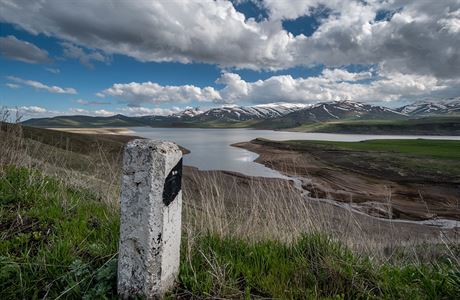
(150, 228)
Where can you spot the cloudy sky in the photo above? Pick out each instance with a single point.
(157, 57)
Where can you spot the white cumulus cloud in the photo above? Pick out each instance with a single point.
(145, 111)
(150, 92)
(417, 37)
(330, 85)
(98, 113)
(31, 110)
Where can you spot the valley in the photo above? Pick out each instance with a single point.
(61, 188)
(230, 149)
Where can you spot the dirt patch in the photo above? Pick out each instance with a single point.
(397, 197)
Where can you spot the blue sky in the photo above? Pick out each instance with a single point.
(61, 58)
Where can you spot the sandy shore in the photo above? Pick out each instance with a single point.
(107, 130)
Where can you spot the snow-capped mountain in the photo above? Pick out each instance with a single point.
(274, 115)
(244, 113)
(188, 113)
(339, 110)
(432, 107)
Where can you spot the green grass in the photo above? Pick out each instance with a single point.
(444, 149)
(58, 242)
(54, 240)
(312, 267)
(448, 125)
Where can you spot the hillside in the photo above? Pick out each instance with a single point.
(264, 115)
(86, 121)
(449, 106)
(192, 117)
(333, 111)
(256, 112)
(441, 125)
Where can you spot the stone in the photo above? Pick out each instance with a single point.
(150, 227)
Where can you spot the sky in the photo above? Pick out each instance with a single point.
(100, 58)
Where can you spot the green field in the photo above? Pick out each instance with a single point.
(444, 149)
(425, 126)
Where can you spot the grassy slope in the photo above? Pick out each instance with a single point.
(443, 149)
(416, 160)
(428, 126)
(85, 121)
(57, 241)
(80, 143)
(54, 239)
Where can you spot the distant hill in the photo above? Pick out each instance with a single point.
(437, 125)
(192, 117)
(245, 113)
(268, 116)
(86, 121)
(334, 111)
(427, 108)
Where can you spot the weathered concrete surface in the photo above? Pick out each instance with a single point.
(150, 231)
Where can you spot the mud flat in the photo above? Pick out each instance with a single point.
(372, 184)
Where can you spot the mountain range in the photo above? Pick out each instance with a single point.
(427, 108)
(274, 115)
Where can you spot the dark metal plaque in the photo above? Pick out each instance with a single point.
(173, 184)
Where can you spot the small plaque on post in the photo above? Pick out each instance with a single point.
(173, 184)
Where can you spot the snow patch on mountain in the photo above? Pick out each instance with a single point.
(431, 107)
(261, 111)
(189, 112)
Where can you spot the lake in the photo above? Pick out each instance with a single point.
(210, 148)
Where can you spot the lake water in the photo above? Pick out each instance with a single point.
(211, 150)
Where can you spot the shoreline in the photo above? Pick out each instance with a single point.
(127, 130)
(97, 130)
(381, 198)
